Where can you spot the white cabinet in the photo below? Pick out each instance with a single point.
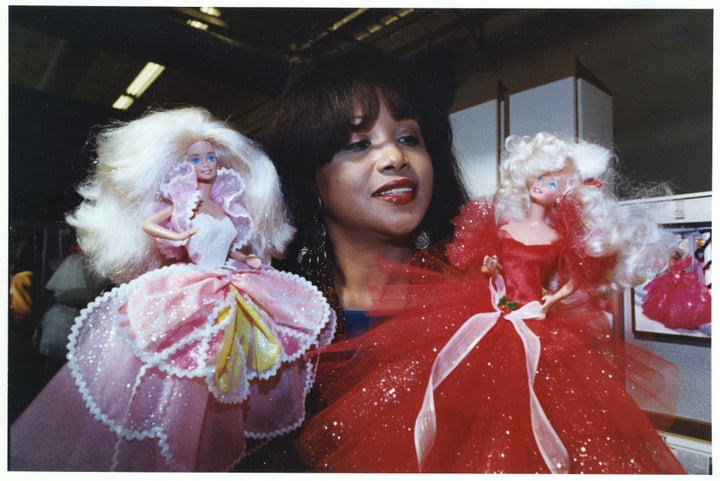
(476, 140)
(574, 104)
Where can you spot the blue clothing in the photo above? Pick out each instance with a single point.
(356, 323)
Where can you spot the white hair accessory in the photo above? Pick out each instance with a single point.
(591, 160)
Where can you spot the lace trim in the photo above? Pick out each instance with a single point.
(154, 432)
(227, 190)
(327, 320)
(204, 334)
(156, 360)
(309, 372)
(180, 188)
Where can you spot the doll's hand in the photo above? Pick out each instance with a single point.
(253, 261)
(547, 303)
(250, 259)
(490, 265)
(151, 225)
(549, 300)
(186, 234)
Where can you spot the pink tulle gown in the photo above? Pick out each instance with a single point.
(177, 368)
(513, 393)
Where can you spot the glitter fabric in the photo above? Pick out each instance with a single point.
(176, 368)
(677, 299)
(586, 381)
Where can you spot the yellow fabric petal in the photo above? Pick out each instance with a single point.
(248, 327)
(266, 348)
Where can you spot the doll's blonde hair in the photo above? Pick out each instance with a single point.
(610, 228)
(132, 160)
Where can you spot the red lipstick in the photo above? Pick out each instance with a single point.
(398, 192)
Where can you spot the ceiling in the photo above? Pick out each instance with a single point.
(235, 67)
(68, 65)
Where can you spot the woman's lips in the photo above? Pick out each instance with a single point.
(398, 192)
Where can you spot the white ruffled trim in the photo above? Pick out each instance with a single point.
(204, 334)
(182, 172)
(308, 341)
(242, 236)
(187, 210)
(327, 318)
(154, 432)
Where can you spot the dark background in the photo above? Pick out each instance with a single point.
(67, 65)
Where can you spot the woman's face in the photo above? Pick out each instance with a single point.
(548, 187)
(201, 155)
(380, 184)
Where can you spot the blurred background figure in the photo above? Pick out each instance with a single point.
(24, 361)
(73, 286)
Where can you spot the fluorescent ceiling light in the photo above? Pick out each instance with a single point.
(197, 24)
(147, 76)
(210, 11)
(123, 102)
(348, 18)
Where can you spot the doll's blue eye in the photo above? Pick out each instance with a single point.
(194, 159)
(553, 184)
(540, 179)
(211, 158)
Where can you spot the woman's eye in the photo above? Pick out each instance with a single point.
(409, 140)
(357, 146)
(194, 159)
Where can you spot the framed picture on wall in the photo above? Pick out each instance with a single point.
(677, 301)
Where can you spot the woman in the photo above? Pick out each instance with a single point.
(202, 344)
(507, 365)
(365, 157)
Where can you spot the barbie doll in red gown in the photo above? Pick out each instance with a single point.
(502, 359)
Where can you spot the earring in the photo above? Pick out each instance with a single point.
(314, 249)
(314, 261)
(422, 240)
(312, 256)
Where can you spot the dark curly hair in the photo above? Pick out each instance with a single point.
(316, 115)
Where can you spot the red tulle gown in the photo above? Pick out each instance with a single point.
(577, 415)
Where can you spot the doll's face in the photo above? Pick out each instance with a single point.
(548, 187)
(201, 155)
(380, 184)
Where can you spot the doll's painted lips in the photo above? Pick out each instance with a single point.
(399, 191)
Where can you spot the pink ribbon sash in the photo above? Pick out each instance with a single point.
(457, 348)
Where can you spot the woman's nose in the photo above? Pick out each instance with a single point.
(391, 158)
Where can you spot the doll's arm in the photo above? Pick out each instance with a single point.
(250, 259)
(151, 226)
(550, 299)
